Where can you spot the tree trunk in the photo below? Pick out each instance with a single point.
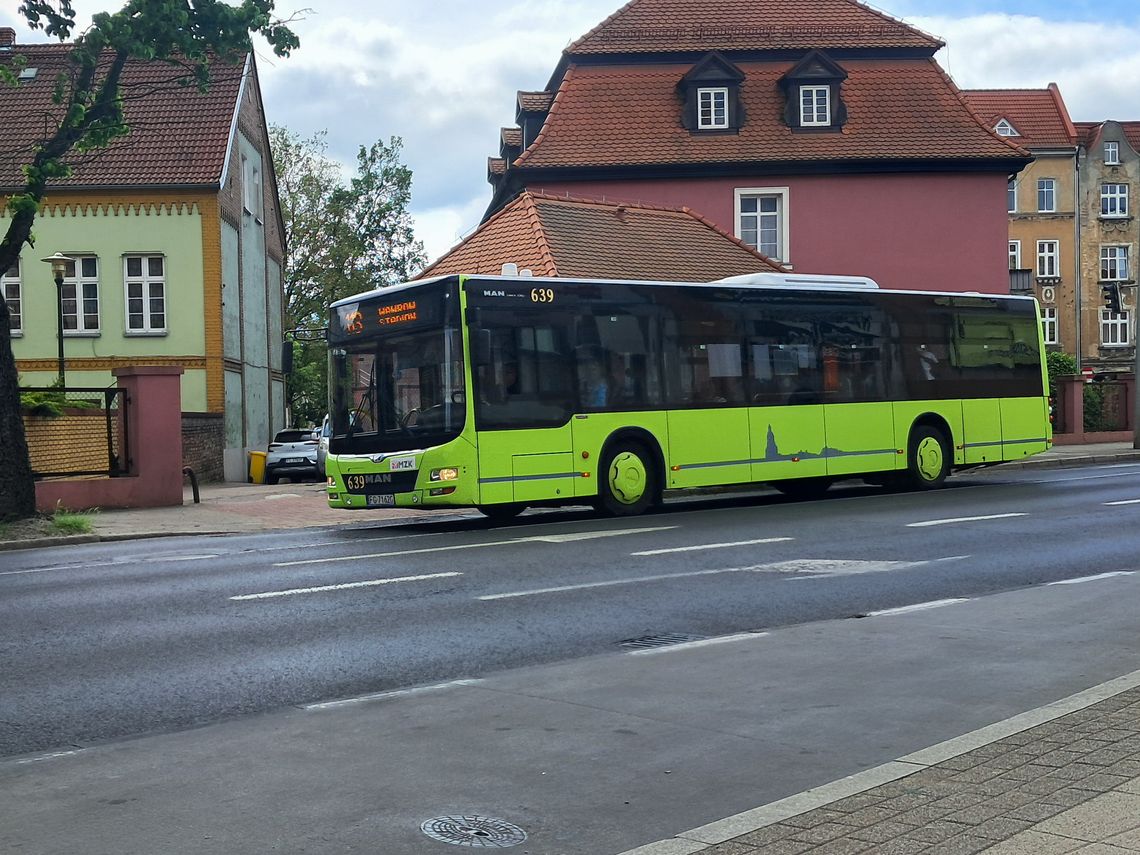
(17, 487)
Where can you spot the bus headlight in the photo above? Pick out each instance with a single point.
(448, 473)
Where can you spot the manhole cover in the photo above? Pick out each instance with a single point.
(485, 831)
(663, 640)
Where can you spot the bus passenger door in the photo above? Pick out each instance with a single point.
(981, 430)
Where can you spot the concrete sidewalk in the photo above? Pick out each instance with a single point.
(1061, 779)
(251, 508)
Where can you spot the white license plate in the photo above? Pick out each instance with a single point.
(381, 501)
(294, 459)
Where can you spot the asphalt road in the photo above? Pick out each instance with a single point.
(113, 640)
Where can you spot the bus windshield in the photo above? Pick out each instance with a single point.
(396, 392)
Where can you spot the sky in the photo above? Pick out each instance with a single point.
(442, 74)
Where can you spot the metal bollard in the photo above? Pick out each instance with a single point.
(189, 473)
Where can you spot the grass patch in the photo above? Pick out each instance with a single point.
(66, 522)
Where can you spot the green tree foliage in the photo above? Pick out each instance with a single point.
(1059, 364)
(343, 235)
(183, 33)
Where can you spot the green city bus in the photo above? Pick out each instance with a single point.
(507, 392)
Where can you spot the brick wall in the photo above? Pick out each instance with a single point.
(203, 438)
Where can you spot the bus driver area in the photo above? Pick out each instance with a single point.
(506, 392)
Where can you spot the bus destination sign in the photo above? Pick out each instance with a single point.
(386, 316)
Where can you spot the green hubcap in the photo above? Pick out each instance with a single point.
(627, 478)
(929, 458)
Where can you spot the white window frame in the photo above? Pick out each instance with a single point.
(1015, 255)
(709, 100)
(79, 282)
(782, 213)
(1046, 195)
(1005, 129)
(12, 291)
(144, 281)
(1114, 328)
(1011, 196)
(1113, 200)
(251, 192)
(811, 106)
(1048, 259)
(1111, 153)
(1115, 265)
(1049, 325)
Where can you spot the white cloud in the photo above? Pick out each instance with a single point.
(1095, 65)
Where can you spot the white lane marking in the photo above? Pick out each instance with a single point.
(704, 642)
(918, 607)
(1125, 502)
(806, 568)
(188, 558)
(371, 583)
(52, 756)
(1095, 578)
(611, 582)
(953, 520)
(1087, 477)
(378, 696)
(705, 546)
(542, 538)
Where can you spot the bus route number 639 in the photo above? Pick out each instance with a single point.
(542, 295)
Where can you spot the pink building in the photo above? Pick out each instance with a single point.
(822, 134)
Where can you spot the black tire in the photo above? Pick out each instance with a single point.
(804, 488)
(501, 513)
(928, 458)
(270, 478)
(628, 482)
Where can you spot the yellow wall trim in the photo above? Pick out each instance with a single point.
(98, 363)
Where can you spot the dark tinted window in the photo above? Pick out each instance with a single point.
(703, 348)
(293, 436)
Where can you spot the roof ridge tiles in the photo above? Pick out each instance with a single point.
(710, 224)
(543, 242)
(566, 78)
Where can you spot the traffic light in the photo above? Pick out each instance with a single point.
(1111, 294)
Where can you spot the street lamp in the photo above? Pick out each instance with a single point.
(59, 263)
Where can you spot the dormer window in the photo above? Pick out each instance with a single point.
(813, 93)
(1005, 129)
(815, 106)
(710, 96)
(712, 108)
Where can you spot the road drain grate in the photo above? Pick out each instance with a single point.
(663, 640)
(482, 831)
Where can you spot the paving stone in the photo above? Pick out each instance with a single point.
(978, 774)
(868, 816)
(1059, 758)
(1128, 767)
(822, 833)
(901, 846)
(923, 815)
(854, 803)
(1034, 843)
(1036, 811)
(1132, 786)
(1028, 772)
(769, 834)
(960, 801)
(730, 848)
(882, 832)
(1101, 849)
(977, 814)
(965, 845)
(819, 816)
(1127, 840)
(1002, 828)
(846, 846)
(901, 803)
(779, 847)
(1068, 797)
(1104, 816)
(938, 831)
(1102, 782)
(1076, 771)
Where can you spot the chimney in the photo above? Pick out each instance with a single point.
(7, 37)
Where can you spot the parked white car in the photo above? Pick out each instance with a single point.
(323, 434)
(292, 454)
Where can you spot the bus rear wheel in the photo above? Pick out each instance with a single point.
(928, 458)
(501, 513)
(627, 483)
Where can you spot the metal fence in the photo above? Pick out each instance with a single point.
(74, 432)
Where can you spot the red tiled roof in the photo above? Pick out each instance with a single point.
(898, 109)
(511, 136)
(1090, 132)
(178, 135)
(535, 101)
(560, 236)
(496, 166)
(653, 26)
(1038, 115)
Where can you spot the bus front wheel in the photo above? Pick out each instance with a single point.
(928, 458)
(627, 483)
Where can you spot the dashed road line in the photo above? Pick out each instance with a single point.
(319, 589)
(953, 520)
(1095, 578)
(918, 607)
(703, 546)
